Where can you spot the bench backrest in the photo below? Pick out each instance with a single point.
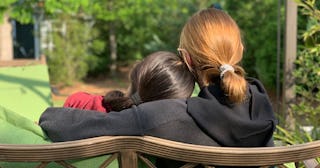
(130, 149)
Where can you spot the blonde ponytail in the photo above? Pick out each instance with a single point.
(212, 39)
(234, 84)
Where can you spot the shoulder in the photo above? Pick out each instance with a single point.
(256, 85)
(77, 96)
(80, 94)
(84, 95)
(166, 104)
(168, 108)
(252, 80)
(82, 99)
(159, 114)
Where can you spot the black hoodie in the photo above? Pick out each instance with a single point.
(205, 120)
(250, 124)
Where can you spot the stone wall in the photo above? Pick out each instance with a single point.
(6, 45)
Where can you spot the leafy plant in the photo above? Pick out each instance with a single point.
(67, 60)
(258, 22)
(306, 108)
(307, 71)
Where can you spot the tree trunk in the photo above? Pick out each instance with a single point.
(290, 57)
(113, 49)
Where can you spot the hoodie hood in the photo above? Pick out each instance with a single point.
(250, 124)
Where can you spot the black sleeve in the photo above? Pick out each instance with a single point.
(66, 124)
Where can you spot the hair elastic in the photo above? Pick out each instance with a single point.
(224, 68)
(136, 98)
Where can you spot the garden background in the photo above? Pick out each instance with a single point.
(93, 43)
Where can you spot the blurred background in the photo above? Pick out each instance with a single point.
(97, 40)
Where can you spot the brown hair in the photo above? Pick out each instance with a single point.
(161, 75)
(212, 39)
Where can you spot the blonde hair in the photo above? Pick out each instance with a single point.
(212, 39)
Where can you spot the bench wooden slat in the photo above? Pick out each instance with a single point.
(129, 146)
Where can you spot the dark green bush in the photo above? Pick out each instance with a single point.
(306, 108)
(68, 60)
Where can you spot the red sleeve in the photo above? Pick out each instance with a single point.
(86, 101)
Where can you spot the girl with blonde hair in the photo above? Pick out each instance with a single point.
(211, 46)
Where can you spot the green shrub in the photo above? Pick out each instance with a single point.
(67, 60)
(306, 108)
(307, 72)
(260, 37)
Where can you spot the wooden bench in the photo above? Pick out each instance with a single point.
(129, 149)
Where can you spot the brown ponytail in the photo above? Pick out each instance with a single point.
(115, 100)
(120, 103)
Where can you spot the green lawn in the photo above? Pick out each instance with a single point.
(58, 103)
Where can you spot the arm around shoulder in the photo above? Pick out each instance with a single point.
(67, 124)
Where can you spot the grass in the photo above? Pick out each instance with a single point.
(58, 103)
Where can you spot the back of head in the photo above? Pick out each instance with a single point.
(213, 39)
(161, 75)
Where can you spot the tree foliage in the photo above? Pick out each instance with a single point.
(307, 71)
(141, 26)
(258, 22)
(16, 10)
(144, 26)
(24, 10)
(306, 108)
(68, 60)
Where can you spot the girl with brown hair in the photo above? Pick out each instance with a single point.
(161, 75)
